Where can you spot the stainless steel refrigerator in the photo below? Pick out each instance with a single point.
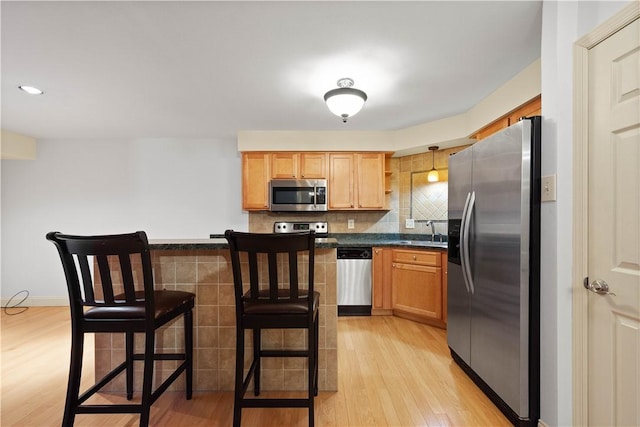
(494, 267)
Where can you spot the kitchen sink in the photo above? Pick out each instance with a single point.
(423, 243)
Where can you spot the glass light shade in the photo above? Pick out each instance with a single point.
(31, 90)
(345, 102)
(433, 176)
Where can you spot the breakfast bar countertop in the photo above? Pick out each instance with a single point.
(218, 243)
(333, 241)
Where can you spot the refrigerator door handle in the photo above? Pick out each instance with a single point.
(465, 247)
(463, 243)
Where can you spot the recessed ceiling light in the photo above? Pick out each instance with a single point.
(31, 90)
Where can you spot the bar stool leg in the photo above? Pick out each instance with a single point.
(237, 402)
(188, 350)
(257, 356)
(75, 374)
(147, 382)
(315, 384)
(311, 353)
(129, 349)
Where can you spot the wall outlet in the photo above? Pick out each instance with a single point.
(351, 224)
(409, 223)
(548, 188)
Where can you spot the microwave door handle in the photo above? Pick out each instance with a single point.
(315, 196)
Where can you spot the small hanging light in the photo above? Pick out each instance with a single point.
(433, 175)
(345, 101)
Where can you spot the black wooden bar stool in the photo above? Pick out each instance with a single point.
(119, 297)
(265, 300)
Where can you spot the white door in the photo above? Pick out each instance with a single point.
(614, 230)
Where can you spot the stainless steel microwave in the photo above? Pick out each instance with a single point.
(298, 195)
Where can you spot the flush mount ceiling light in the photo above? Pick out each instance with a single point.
(31, 90)
(345, 101)
(433, 175)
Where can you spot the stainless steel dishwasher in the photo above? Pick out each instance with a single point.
(354, 281)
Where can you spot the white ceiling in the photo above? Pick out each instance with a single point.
(209, 69)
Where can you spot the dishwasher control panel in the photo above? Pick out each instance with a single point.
(354, 253)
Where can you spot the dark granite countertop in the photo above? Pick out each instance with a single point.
(387, 239)
(216, 243)
(333, 241)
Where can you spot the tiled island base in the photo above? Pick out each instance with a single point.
(207, 273)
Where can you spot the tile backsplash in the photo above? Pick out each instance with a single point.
(428, 201)
(364, 222)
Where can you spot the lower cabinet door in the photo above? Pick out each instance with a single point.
(381, 286)
(417, 290)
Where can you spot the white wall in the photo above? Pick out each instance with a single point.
(563, 22)
(166, 187)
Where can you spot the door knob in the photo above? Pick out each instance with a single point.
(598, 286)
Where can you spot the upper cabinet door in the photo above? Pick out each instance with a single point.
(356, 181)
(370, 179)
(284, 165)
(313, 165)
(290, 165)
(255, 181)
(341, 173)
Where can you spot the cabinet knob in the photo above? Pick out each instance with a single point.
(414, 257)
(377, 251)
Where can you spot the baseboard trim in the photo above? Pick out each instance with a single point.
(16, 301)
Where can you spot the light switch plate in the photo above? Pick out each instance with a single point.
(351, 224)
(548, 188)
(409, 223)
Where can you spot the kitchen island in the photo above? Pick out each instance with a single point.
(203, 266)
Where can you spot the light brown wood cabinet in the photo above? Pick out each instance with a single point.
(445, 281)
(313, 165)
(531, 108)
(381, 282)
(417, 289)
(290, 165)
(341, 174)
(370, 180)
(255, 180)
(356, 181)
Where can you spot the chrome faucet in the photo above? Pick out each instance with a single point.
(433, 230)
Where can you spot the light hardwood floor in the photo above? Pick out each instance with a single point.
(392, 372)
